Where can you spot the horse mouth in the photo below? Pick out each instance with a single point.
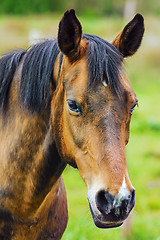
(102, 222)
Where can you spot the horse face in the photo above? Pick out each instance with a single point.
(91, 124)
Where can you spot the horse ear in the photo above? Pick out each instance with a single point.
(129, 40)
(69, 35)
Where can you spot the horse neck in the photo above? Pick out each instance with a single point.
(30, 163)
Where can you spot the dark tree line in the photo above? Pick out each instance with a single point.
(100, 7)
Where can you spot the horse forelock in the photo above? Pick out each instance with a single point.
(104, 63)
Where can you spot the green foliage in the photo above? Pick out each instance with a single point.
(29, 6)
(85, 7)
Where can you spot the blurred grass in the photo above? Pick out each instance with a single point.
(143, 150)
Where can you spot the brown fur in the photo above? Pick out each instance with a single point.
(92, 144)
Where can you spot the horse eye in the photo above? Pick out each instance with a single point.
(132, 109)
(74, 106)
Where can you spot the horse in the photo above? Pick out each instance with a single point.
(65, 101)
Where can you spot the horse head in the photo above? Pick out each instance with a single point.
(91, 111)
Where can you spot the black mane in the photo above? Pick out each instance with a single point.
(37, 74)
(103, 59)
(8, 65)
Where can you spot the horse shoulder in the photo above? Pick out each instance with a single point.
(52, 216)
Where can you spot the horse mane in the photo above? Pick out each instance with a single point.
(8, 64)
(37, 74)
(103, 60)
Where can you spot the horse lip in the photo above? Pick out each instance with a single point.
(101, 224)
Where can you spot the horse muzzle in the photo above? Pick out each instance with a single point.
(110, 211)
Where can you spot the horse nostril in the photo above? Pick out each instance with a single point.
(104, 201)
(125, 203)
(129, 203)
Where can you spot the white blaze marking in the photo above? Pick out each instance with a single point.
(122, 194)
(123, 189)
(104, 83)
